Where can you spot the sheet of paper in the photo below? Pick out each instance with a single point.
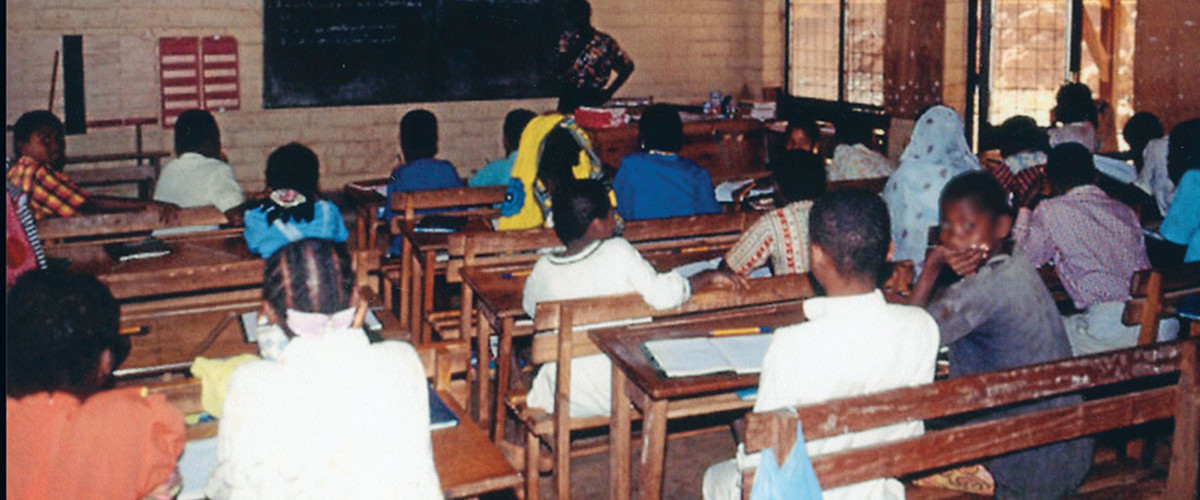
(744, 353)
(694, 268)
(687, 357)
(724, 191)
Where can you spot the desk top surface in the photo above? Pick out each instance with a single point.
(436, 241)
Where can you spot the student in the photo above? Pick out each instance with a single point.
(23, 250)
(293, 209)
(1182, 223)
(892, 345)
(1076, 116)
(199, 175)
(554, 150)
(1023, 146)
(498, 172)
(39, 143)
(803, 135)
(1095, 243)
(657, 183)
(67, 436)
(852, 159)
(999, 316)
(938, 151)
(596, 263)
(420, 170)
(781, 236)
(1139, 130)
(334, 416)
(587, 59)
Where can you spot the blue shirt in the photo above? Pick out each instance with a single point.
(495, 173)
(265, 239)
(657, 186)
(1182, 224)
(418, 175)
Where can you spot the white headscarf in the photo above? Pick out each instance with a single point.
(937, 152)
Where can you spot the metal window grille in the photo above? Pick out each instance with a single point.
(835, 49)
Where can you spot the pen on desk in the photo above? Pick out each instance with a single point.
(514, 274)
(740, 331)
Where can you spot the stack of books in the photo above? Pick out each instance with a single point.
(759, 110)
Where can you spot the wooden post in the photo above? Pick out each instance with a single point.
(619, 436)
(1185, 445)
(504, 360)
(562, 405)
(1151, 310)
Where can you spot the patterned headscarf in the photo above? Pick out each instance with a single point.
(938, 138)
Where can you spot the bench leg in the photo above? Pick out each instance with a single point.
(1185, 444)
(532, 450)
(654, 447)
(619, 436)
(504, 361)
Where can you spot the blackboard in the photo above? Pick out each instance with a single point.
(349, 52)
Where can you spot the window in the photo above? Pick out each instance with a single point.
(835, 50)
(1029, 58)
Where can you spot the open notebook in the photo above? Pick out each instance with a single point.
(142, 249)
(689, 357)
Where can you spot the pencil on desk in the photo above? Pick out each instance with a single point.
(740, 331)
(514, 274)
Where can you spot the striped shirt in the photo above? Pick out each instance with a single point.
(1094, 241)
(780, 236)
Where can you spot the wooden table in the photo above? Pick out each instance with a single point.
(498, 292)
(422, 250)
(636, 381)
(727, 148)
(467, 462)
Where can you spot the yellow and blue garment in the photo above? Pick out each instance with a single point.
(527, 201)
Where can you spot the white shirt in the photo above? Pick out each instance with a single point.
(194, 180)
(608, 267)
(333, 417)
(1153, 176)
(850, 346)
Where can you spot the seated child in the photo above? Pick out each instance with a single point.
(595, 263)
(781, 236)
(420, 171)
(24, 250)
(999, 316)
(199, 176)
(334, 416)
(40, 145)
(498, 172)
(892, 345)
(1023, 147)
(1139, 130)
(657, 183)
(293, 209)
(1153, 174)
(1076, 116)
(853, 159)
(803, 135)
(68, 434)
(1182, 223)
(1095, 243)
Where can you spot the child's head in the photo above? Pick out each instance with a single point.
(40, 135)
(578, 13)
(418, 135)
(514, 124)
(1184, 149)
(560, 154)
(293, 177)
(803, 134)
(1140, 129)
(1019, 134)
(1075, 104)
(801, 176)
(307, 276)
(196, 132)
(582, 212)
(62, 334)
(661, 129)
(1070, 165)
(974, 211)
(849, 235)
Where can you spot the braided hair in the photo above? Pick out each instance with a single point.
(309, 275)
(295, 168)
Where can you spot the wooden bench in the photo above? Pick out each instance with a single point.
(404, 275)
(1161, 381)
(565, 340)
(121, 225)
(144, 171)
(1154, 295)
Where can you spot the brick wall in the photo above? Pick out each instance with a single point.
(682, 49)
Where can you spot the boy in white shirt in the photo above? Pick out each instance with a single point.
(596, 263)
(853, 343)
(199, 175)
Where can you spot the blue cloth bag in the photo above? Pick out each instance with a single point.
(796, 480)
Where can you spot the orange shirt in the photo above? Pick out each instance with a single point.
(115, 445)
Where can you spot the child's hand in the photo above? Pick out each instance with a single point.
(966, 262)
(720, 277)
(168, 213)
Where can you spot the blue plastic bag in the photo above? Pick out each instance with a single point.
(796, 480)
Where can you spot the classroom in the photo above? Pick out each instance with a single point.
(602, 249)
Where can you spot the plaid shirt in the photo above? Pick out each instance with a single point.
(1029, 168)
(1094, 241)
(781, 236)
(51, 194)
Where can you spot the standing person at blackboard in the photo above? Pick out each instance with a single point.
(586, 60)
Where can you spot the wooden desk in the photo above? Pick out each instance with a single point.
(143, 175)
(727, 148)
(498, 291)
(467, 462)
(116, 225)
(423, 251)
(636, 381)
(367, 200)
